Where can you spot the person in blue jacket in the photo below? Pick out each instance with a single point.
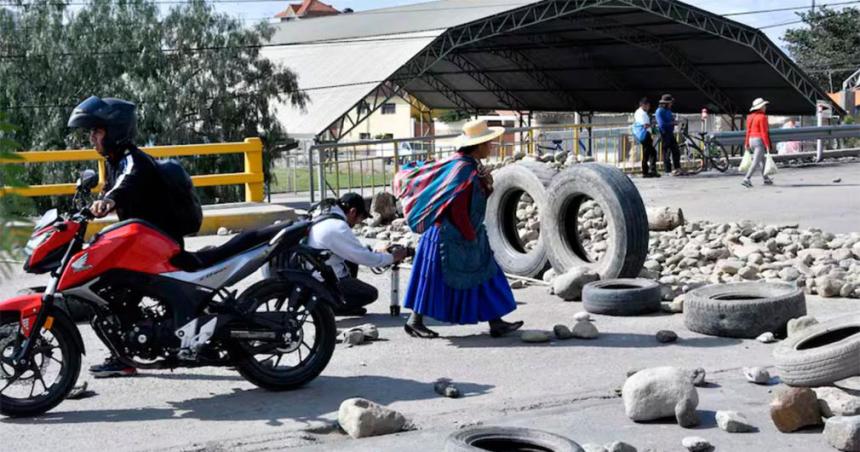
(666, 124)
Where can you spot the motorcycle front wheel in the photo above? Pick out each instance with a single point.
(51, 375)
(280, 367)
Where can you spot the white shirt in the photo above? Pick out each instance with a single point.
(336, 236)
(641, 117)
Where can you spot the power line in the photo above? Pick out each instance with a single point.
(791, 8)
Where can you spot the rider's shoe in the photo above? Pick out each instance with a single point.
(112, 367)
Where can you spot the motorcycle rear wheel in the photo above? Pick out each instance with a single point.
(264, 369)
(60, 338)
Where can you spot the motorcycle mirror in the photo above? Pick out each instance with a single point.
(88, 180)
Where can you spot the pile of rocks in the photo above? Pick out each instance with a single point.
(702, 253)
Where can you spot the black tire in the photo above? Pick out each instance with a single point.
(743, 310)
(325, 331)
(821, 354)
(622, 297)
(509, 184)
(63, 332)
(508, 439)
(620, 201)
(719, 157)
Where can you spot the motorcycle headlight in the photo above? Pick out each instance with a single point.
(35, 242)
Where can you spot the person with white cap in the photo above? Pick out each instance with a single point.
(757, 139)
(455, 277)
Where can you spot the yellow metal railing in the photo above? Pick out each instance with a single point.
(251, 178)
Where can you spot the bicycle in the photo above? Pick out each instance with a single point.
(709, 153)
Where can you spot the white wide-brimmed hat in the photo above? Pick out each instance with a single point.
(758, 103)
(477, 132)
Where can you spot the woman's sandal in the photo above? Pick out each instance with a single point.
(421, 331)
(505, 329)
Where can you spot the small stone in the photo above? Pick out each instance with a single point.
(757, 375)
(766, 338)
(534, 337)
(789, 274)
(666, 336)
(748, 273)
(697, 376)
(794, 408)
(827, 287)
(799, 324)
(518, 284)
(847, 290)
(697, 444)
(685, 412)
(562, 332)
(549, 275)
(352, 337)
(584, 330)
(843, 432)
(582, 316)
(837, 402)
(444, 387)
(80, 391)
(733, 422)
(619, 446)
(223, 231)
(361, 418)
(837, 180)
(591, 447)
(371, 333)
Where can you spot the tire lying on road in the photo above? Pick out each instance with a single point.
(821, 354)
(742, 310)
(509, 184)
(508, 438)
(622, 297)
(620, 201)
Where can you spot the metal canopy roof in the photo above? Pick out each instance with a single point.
(563, 55)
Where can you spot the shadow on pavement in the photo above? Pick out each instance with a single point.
(309, 404)
(611, 340)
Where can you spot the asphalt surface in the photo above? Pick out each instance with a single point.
(564, 386)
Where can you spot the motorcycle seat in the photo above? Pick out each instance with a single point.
(193, 261)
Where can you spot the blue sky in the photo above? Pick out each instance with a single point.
(269, 8)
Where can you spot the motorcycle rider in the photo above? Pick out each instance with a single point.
(133, 188)
(332, 231)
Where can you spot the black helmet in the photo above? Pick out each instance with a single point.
(117, 117)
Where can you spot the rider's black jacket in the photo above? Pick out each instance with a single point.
(134, 183)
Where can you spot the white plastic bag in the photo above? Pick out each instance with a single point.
(769, 166)
(746, 162)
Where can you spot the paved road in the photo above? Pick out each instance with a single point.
(564, 387)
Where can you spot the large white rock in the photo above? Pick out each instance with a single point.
(654, 393)
(836, 402)
(569, 285)
(362, 418)
(843, 432)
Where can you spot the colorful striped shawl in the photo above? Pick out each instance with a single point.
(427, 188)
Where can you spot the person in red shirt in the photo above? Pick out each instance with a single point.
(758, 140)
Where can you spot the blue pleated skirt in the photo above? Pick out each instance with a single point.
(428, 294)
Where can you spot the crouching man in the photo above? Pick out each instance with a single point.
(332, 231)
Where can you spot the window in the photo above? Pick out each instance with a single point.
(363, 136)
(389, 109)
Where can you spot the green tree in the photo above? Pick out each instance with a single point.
(828, 47)
(196, 75)
(11, 206)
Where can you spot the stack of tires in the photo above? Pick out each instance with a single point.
(558, 197)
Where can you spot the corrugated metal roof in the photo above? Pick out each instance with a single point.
(438, 15)
(339, 74)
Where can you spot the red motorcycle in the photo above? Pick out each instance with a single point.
(158, 307)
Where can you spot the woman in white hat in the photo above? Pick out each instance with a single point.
(757, 139)
(455, 277)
